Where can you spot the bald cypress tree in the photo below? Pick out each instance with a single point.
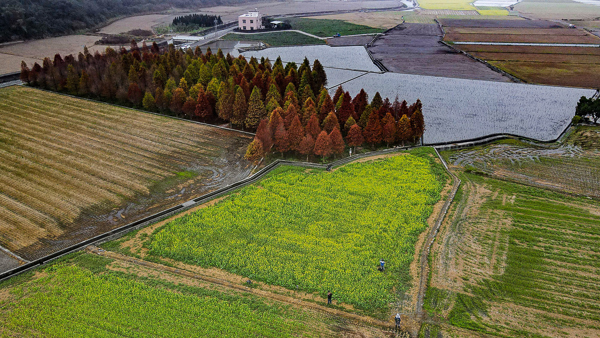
(337, 142)
(255, 151)
(239, 108)
(256, 109)
(307, 145)
(282, 143)
(295, 133)
(323, 145)
(312, 127)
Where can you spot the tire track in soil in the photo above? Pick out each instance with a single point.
(431, 238)
(229, 285)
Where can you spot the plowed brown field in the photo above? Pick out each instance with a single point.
(71, 169)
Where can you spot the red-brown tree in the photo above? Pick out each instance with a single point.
(307, 145)
(337, 142)
(372, 132)
(203, 109)
(323, 145)
(295, 133)
(313, 127)
(355, 136)
(282, 142)
(265, 135)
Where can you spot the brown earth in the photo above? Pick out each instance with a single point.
(350, 40)
(102, 167)
(522, 38)
(415, 49)
(552, 73)
(531, 50)
(561, 66)
(499, 23)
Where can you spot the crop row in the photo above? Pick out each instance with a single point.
(315, 231)
(71, 301)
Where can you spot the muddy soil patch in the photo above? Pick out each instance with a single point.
(416, 49)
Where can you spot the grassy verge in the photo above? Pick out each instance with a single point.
(327, 28)
(278, 39)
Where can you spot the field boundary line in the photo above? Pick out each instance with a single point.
(12, 254)
(424, 261)
(341, 83)
(242, 288)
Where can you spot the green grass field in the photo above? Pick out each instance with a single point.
(82, 297)
(327, 28)
(317, 231)
(528, 262)
(277, 39)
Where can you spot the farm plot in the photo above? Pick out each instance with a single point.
(573, 167)
(517, 261)
(352, 58)
(457, 109)
(37, 50)
(71, 169)
(315, 231)
(327, 27)
(521, 35)
(277, 39)
(415, 49)
(91, 296)
(563, 66)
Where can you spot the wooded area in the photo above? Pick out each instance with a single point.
(279, 102)
(26, 19)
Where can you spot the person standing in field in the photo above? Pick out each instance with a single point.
(398, 320)
(381, 265)
(329, 296)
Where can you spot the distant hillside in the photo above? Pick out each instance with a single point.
(32, 19)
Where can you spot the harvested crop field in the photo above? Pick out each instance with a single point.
(517, 261)
(562, 66)
(39, 49)
(72, 169)
(146, 22)
(459, 109)
(499, 23)
(521, 35)
(560, 74)
(573, 167)
(416, 49)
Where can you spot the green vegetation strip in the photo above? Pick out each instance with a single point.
(277, 39)
(75, 301)
(315, 230)
(327, 28)
(552, 260)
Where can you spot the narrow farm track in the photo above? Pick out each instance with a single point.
(424, 261)
(229, 285)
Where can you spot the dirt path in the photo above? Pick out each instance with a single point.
(229, 285)
(431, 238)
